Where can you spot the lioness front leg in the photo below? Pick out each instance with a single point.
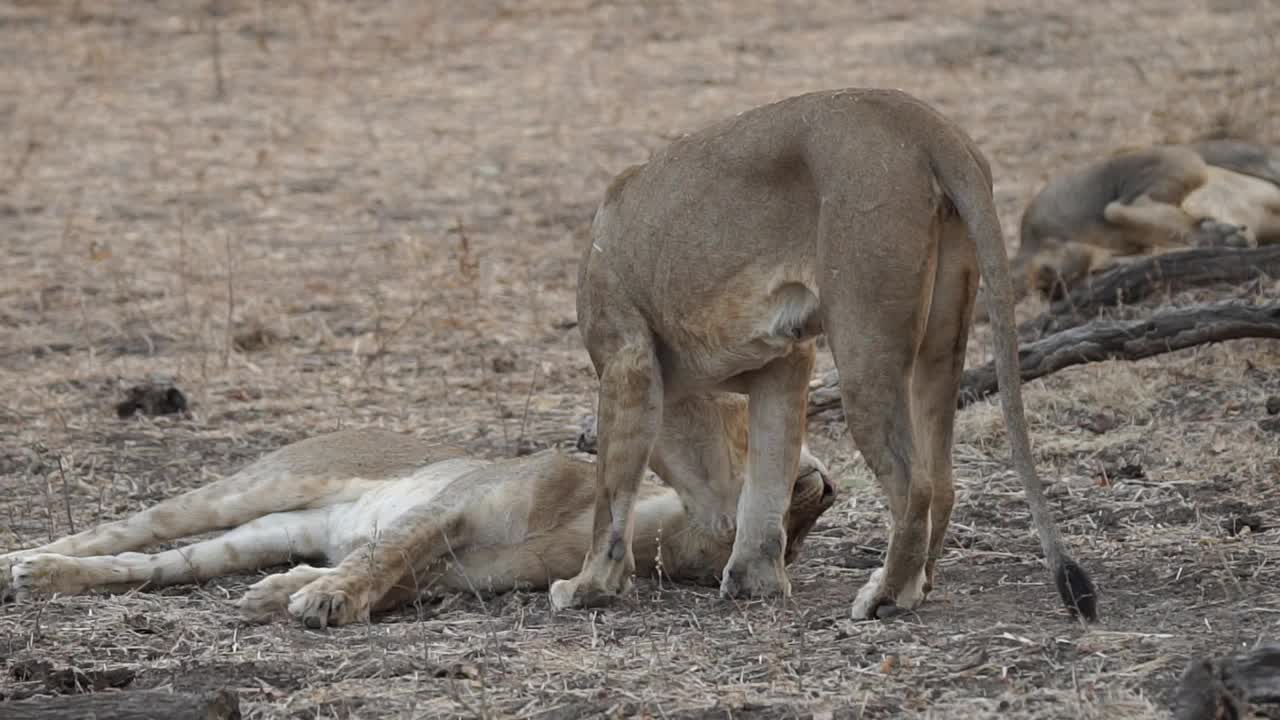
(779, 395)
(383, 573)
(269, 540)
(630, 416)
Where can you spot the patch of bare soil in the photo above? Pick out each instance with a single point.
(321, 214)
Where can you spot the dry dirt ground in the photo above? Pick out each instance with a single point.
(367, 213)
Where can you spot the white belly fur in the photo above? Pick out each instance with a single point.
(360, 522)
(1237, 199)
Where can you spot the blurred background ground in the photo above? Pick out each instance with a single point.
(321, 214)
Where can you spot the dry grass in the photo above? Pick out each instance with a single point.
(363, 213)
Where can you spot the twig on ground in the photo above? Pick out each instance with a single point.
(1140, 279)
(215, 48)
(66, 496)
(231, 305)
(217, 705)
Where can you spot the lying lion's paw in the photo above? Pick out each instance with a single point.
(46, 574)
(573, 593)
(7, 591)
(330, 601)
(1214, 233)
(754, 578)
(270, 595)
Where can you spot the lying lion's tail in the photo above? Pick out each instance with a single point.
(961, 173)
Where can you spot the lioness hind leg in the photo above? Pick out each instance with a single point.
(779, 394)
(938, 372)
(266, 541)
(630, 413)
(874, 313)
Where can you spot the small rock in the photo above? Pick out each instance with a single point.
(1099, 424)
(1236, 524)
(503, 364)
(152, 398)
(1129, 471)
(254, 339)
(1273, 405)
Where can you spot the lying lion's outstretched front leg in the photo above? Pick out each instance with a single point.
(779, 394)
(264, 487)
(630, 416)
(271, 540)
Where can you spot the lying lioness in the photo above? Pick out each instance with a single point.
(861, 214)
(397, 517)
(1145, 200)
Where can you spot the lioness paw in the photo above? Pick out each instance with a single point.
(754, 578)
(7, 591)
(567, 594)
(875, 602)
(46, 574)
(330, 601)
(270, 595)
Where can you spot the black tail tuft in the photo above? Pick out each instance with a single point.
(1077, 590)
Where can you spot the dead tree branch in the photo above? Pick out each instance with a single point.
(1224, 688)
(1165, 331)
(133, 705)
(1140, 279)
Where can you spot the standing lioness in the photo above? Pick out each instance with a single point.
(861, 214)
(397, 517)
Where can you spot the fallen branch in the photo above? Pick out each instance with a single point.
(1165, 331)
(1133, 281)
(135, 705)
(1225, 687)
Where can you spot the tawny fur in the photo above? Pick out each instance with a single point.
(394, 517)
(1147, 200)
(861, 214)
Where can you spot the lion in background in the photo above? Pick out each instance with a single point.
(1137, 201)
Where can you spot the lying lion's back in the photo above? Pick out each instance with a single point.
(367, 453)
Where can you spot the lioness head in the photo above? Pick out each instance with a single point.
(812, 494)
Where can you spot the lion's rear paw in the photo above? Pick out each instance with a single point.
(875, 602)
(331, 601)
(46, 574)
